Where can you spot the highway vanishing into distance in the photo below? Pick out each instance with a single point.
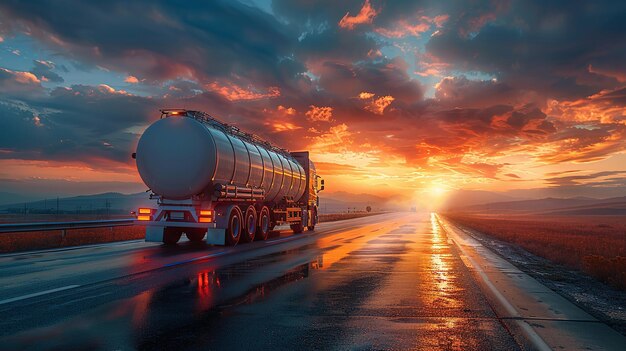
(393, 281)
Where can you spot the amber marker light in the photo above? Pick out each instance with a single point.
(206, 216)
(144, 218)
(145, 211)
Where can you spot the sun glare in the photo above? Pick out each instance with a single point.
(437, 191)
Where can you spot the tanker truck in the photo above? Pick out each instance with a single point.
(216, 183)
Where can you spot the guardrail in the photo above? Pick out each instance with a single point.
(64, 226)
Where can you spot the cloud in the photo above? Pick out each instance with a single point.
(365, 16)
(43, 70)
(379, 105)
(319, 114)
(387, 77)
(131, 80)
(168, 41)
(18, 82)
(234, 92)
(581, 179)
(460, 87)
(406, 27)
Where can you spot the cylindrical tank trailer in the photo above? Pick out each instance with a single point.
(214, 182)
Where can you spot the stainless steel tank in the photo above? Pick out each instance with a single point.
(178, 157)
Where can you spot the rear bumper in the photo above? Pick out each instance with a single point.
(176, 224)
(155, 230)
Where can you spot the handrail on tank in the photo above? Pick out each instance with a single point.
(233, 130)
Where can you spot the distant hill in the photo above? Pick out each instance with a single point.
(113, 202)
(465, 198)
(342, 201)
(553, 206)
(10, 198)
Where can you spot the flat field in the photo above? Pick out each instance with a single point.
(593, 244)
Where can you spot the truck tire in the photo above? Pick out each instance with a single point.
(171, 235)
(313, 220)
(195, 235)
(297, 228)
(263, 228)
(250, 225)
(233, 231)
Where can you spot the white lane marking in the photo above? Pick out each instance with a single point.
(24, 297)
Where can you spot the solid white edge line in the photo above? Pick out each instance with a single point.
(24, 297)
(531, 335)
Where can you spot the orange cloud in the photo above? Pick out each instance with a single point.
(290, 111)
(234, 92)
(131, 80)
(365, 95)
(607, 106)
(24, 77)
(284, 127)
(379, 105)
(107, 89)
(403, 28)
(365, 16)
(319, 114)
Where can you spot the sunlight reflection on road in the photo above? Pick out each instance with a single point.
(439, 259)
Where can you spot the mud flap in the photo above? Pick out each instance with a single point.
(154, 234)
(216, 236)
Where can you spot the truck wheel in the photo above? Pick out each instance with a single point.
(313, 220)
(233, 232)
(171, 236)
(249, 229)
(263, 229)
(297, 228)
(195, 235)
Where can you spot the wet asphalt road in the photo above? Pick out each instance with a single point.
(381, 282)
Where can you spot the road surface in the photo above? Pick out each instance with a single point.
(391, 281)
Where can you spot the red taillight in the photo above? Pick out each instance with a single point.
(174, 113)
(206, 213)
(205, 219)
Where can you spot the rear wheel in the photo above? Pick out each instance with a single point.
(297, 228)
(233, 231)
(249, 229)
(263, 228)
(171, 235)
(195, 235)
(313, 219)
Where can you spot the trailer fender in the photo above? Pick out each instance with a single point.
(217, 235)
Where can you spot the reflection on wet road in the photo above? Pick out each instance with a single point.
(389, 283)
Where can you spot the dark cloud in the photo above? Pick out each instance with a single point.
(44, 71)
(388, 77)
(204, 40)
(534, 45)
(84, 124)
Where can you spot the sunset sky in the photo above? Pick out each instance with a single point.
(390, 97)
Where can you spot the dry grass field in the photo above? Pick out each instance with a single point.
(593, 244)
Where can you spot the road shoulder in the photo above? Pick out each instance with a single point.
(545, 318)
